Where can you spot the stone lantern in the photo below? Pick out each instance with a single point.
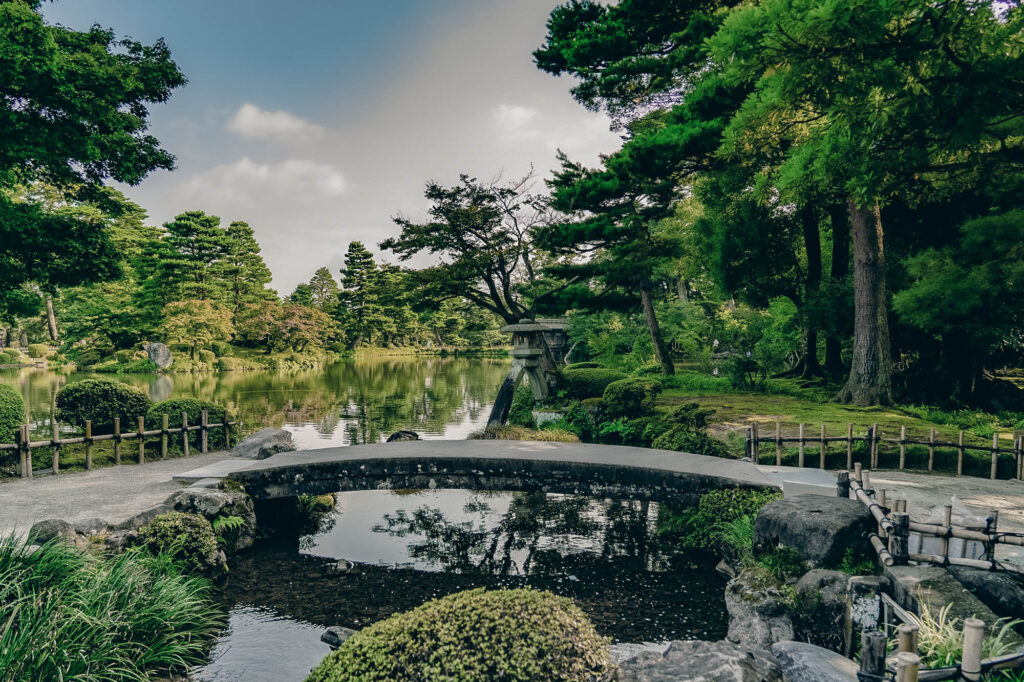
(538, 349)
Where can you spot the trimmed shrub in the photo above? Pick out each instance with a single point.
(187, 538)
(688, 432)
(194, 408)
(12, 413)
(520, 412)
(230, 364)
(207, 356)
(648, 370)
(10, 357)
(100, 400)
(221, 349)
(632, 397)
(38, 350)
(588, 382)
(507, 635)
(583, 365)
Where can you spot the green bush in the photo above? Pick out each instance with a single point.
(509, 635)
(12, 413)
(194, 408)
(221, 349)
(10, 357)
(207, 356)
(687, 432)
(649, 370)
(124, 356)
(701, 527)
(583, 365)
(187, 538)
(520, 413)
(588, 382)
(38, 350)
(100, 400)
(230, 364)
(633, 397)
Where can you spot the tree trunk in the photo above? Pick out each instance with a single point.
(870, 381)
(812, 246)
(51, 319)
(840, 271)
(660, 349)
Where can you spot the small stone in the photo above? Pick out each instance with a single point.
(340, 566)
(119, 540)
(159, 354)
(706, 661)
(90, 526)
(50, 529)
(820, 529)
(802, 662)
(264, 443)
(335, 635)
(403, 435)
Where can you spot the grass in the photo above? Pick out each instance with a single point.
(512, 432)
(940, 639)
(66, 613)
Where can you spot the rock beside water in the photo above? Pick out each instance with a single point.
(802, 662)
(820, 529)
(334, 636)
(704, 662)
(759, 615)
(264, 443)
(160, 355)
(403, 435)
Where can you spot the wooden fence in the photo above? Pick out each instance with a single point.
(873, 438)
(23, 444)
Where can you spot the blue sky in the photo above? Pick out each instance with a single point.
(318, 121)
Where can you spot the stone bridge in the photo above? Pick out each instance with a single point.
(599, 470)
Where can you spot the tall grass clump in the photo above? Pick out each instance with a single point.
(66, 613)
(940, 638)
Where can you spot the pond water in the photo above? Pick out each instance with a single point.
(360, 400)
(407, 547)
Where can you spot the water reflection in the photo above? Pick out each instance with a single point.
(355, 401)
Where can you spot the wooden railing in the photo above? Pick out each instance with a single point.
(873, 438)
(24, 445)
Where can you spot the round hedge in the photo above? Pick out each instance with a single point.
(588, 382)
(38, 350)
(509, 635)
(583, 365)
(100, 400)
(633, 397)
(194, 408)
(12, 413)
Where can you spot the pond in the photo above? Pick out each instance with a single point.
(406, 547)
(361, 400)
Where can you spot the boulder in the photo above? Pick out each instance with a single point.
(142, 518)
(760, 614)
(211, 504)
(118, 541)
(90, 526)
(802, 662)
(700, 661)
(340, 567)
(398, 436)
(50, 529)
(335, 635)
(264, 443)
(822, 597)
(160, 355)
(998, 590)
(820, 529)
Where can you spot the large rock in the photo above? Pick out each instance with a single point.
(51, 529)
(700, 661)
(403, 435)
(822, 597)
(213, 504)
(264, 443)
(336, 635)
(820, 529)
(760, 614)
(998, 590)
(802, 662)
(160, 355)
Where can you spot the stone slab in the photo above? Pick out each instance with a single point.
(800, 481)
(216, 470)
(802, 662)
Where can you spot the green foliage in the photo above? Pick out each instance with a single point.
(132, 617)
(207, 356)
(511, 432)
(221, 349)
(188, 539)
(10, 356)
(632, 397)
(197, 323)
(520, 412)
(582, 365)
(12, 413)
(194, 409)
(699, 528)
(38, 350)
(940, 638)
(588, 382)
(687, 431)
(100, 401)
(475, 635)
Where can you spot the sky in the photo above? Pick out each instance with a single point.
(317, 121)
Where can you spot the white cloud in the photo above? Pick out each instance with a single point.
(247, 178)
(251, 121)
(577, 132)
(514, 118)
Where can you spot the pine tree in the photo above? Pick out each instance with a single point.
(358, 298)
(242, 273)
(194, 242)
(323, 290)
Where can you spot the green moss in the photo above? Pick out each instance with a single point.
(188, 538)
(509, 635)
(510, 432)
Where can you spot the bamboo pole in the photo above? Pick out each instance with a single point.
(960, 455)
(995, 456)
(19, 440)
(227, 432)
(974, 636)
(849, 446)
(899, 538)
(756, 451)
(778, 442)
(184, 432)
(907, 666)
(88, 444)
(947, 520)
(27, 440)
(872, 654)
(142, 440)
(931, 449)
(117, 440)
(874, 446)
(903, 447)
(823, 450)
(800, 461)
(204, 427)
(56, 446)
(907, 638)
(164, 435)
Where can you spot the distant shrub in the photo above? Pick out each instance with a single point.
(520, 413)
(688, 432)
(12, 413)
(510, 432)
(583, 365)
(10, 357)
(194, 408)
(230, 364)
(188, 538)
(588, 382)
(338, 348)
(633, 397)
(207, 356)
(511, 635)
(221, 349)
(100, 400)
(38, 350)
(648, 370)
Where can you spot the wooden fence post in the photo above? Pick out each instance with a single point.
(872, 655)
(164, 435)
(142, 440)
(843, 484)
(995, 456)
(204, 430)
(907, 666)
(960, 455)
(947, 521)
(931, 449)
(55, 445)
(184, 432)
(876, 437)
(88, 444)
(800, 461)
(19, 439)
(778, 443)
(227, 431)
(899, 545)
(858, 469)
(117, 440)
(823, 451)
(849, 446)
(907, 638)
(26, 439)
(974, 636)
(903, 447)
(1020, 458)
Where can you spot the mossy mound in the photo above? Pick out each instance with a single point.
(188, 539)
(509, 635)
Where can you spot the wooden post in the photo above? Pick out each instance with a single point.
(117, 440)
(931, 449)
(184, 432)
(227, 432)
(55, 444)
(748, 445)
(857, 469)
(907, 666)
(26, 439)
(778, 443)
(164, 436)
(88, 444)
(995, 456)
(899, 545)
(960, 456)
(849, 446)
(822, 451)
(204, 431)
(907, 638)
(947, 520)
(874, 446)
(974, 636)
(843, 484)
(872, 655)
(19, 438)
(800, 461)
(903, 447)
(1020, 458)
(142, 440)
(865, 481)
